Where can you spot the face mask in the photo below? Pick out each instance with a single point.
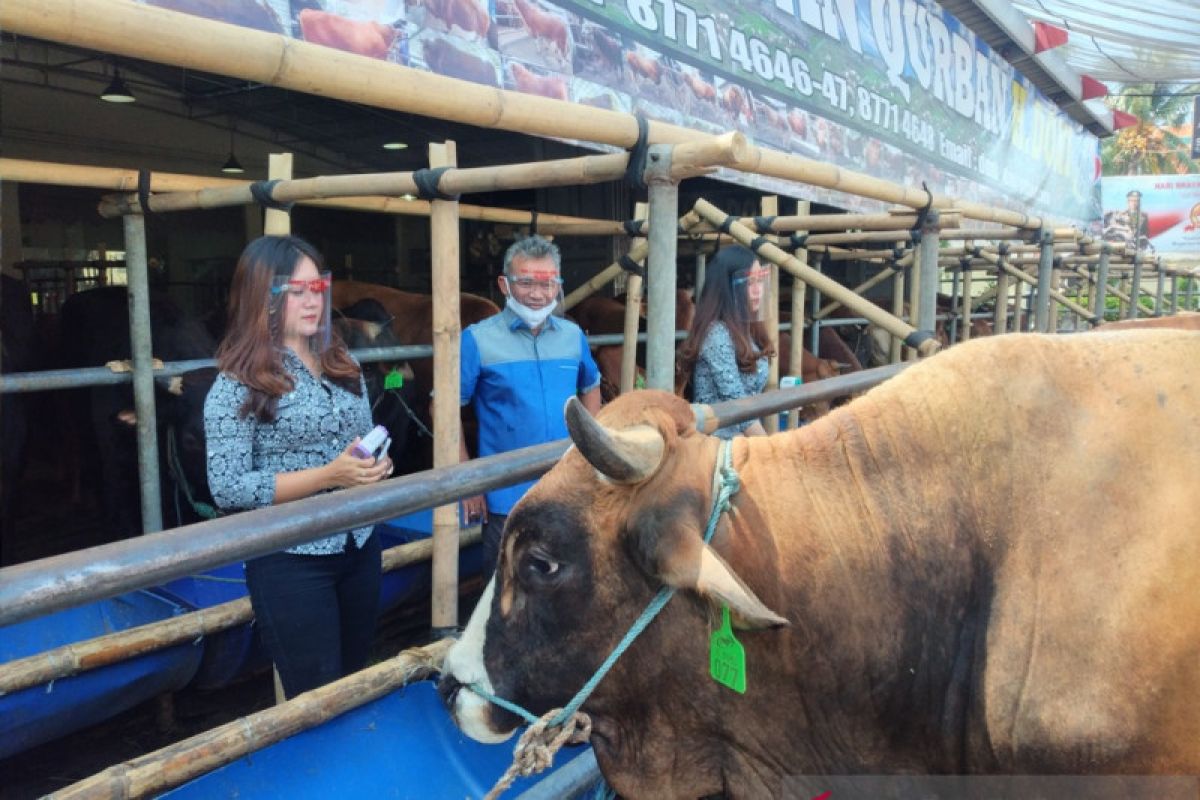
(533, 317)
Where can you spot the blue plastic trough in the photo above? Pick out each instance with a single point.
(29, 717)
(403, 745)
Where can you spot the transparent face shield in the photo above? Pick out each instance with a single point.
(535, 297)
(750, 289)
(300, 311)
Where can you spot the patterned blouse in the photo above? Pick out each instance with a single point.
(314, 423)
(716, 376)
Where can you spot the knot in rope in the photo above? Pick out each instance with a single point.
(537, 746)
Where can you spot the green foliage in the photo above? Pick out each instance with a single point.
(1151, 147)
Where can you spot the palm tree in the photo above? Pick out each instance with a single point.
(1151, 147)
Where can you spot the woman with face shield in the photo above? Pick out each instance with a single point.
(281, 423)
(726, 352)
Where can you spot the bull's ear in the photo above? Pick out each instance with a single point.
(682, 560)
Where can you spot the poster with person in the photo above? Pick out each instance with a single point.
(1159, 212)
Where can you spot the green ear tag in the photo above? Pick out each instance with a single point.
(639, 382)
(393, 380)
(727, 657)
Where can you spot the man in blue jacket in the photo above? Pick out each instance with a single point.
(518, 370)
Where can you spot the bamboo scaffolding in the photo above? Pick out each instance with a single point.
(690, 159)
(770, 208)
(77, 657)
(1019, 274)
(868, 284)
(169, 37)
(809, 223)
(447, 426)
(822, 283)
(1091, 279)
(633, 309)
(182, 761)
(123, 180)
(637, 253)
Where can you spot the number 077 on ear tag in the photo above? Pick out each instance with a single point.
(727, 657)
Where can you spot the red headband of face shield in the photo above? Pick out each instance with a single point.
(294, 287)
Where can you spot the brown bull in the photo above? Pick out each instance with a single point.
(1003, 592)
(412, 317)
(1185, 320)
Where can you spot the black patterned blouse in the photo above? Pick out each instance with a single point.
(716, 377)
(314, 423)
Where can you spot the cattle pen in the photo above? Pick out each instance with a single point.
(1040, 277)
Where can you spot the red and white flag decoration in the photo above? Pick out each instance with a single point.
(1123, 119)
(1092, 88)
(1047, 37)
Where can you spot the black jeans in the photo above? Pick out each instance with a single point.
(492, 529)
(316, 614)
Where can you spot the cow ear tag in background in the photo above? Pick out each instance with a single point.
(726, 656)
(393, 380)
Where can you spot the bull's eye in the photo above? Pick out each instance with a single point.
(537, 568)
(543, 566)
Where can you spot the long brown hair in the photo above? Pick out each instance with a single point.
(718, 302)
(252, 350)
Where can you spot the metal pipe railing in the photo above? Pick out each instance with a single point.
(51, 584)
(84, 377)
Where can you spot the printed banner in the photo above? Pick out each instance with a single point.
(898, 89)
(1162, 211)
(1196, 126)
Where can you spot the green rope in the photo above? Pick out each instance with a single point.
(204, 510)
(728, 484)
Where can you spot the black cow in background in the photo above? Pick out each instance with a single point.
(363, 325)
(94, 329)
(18, 353)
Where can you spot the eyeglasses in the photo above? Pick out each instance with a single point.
(530, 284)
(297, 288)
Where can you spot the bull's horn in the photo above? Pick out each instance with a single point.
(626, 456)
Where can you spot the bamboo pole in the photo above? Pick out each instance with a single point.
(699, 157)
(661, 268)
(770, 208)
(124, 180)
(447, 426)
(966, 302)
(796, 367)
(168, 37)
(824, 284)
(183, 761)
(275, 221)
(894, 350)
(633, 308)
(77, 657)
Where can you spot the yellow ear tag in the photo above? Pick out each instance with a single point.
(393, 380)
(727, 657)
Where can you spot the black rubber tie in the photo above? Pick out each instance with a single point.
(533, 215)
(635, 170)
(143, 191)
(427, 181)
(763, 224)
(631, 266)
(727, 224)
(758, 242)
(915, 338)
(633, 227)
(261, 192)
(799, 240)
